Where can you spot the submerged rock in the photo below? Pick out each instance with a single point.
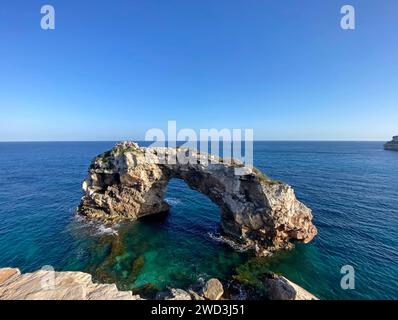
(147, 291)
(392, 145)
(129, 182)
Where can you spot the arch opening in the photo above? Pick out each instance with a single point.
(194, 209)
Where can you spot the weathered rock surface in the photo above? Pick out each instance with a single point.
(8, 274)
(69, 285)
(273, 287)
(392, 145)
(280, 288)
(195, 295)
(50, 285)
(213, 289)
(178, 294)
(129, 182)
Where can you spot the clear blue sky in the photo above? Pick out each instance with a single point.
(113, 69)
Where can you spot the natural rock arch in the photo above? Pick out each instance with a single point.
(129, 182)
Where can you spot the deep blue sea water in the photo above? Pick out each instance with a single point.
(352, 188)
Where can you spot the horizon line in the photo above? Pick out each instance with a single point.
(137, 140)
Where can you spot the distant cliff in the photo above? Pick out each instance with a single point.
(392, 145)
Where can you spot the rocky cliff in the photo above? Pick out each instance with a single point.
(129, 182)
(51, 285)
(392, 145)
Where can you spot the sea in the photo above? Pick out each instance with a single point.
(352, 188)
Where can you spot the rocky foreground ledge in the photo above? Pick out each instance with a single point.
(50, 285)
(258, 213)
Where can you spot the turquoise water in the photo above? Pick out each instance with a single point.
(352, 188)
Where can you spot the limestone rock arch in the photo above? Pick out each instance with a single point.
(129, 182)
